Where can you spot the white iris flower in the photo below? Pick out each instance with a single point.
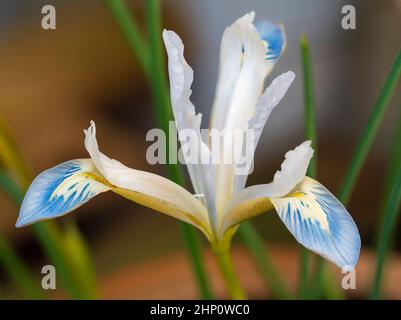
(310, 212)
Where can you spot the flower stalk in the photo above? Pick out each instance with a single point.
(224, 262)
(130, 30)
(390, 217)
(390, 211)
(392, 170)
(310, 134)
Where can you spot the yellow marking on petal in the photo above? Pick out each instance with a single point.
(245, 210)
(142, 199)
(297, 194)
(162, 206)
(310, 209)
(65, 187)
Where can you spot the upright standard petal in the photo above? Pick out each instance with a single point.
(60, 190)
(201, 170)
(320, 222)
(146, 188)
(255, 200)
(243, 69)
(265, 105)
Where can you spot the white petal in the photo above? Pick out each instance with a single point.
(254, 200)
(146, 188)
(181, 77)
(243, 69)
(265, 105)
(293, 169)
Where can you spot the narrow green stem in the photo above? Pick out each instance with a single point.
(230, 278)
(10, 188)
(194, 249)
(309, 102)
(49, 237)
(391, 176)
(387, 228)
(158, 78)
(18, 272)
(317, 279)
(263, 260)
(303, 275)
(310, 134)
(369, 133)
(78, 253)
(130, 30)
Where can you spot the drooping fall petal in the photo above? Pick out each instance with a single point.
(311, 213)
(60, 190)
(65, 187)
(320, 222)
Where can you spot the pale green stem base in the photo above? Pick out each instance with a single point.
(230, 278)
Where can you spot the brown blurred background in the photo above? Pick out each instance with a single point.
(52, 83)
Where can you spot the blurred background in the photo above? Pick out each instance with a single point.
(52, 83)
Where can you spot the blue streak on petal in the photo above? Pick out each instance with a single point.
(274, 37)
(338, 240)
(58, 191)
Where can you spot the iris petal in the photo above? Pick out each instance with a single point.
(265, 105)
(60, 190)
(65, 187)
(320, 222)
(187, 120)
(242, 72)
(145, 188)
